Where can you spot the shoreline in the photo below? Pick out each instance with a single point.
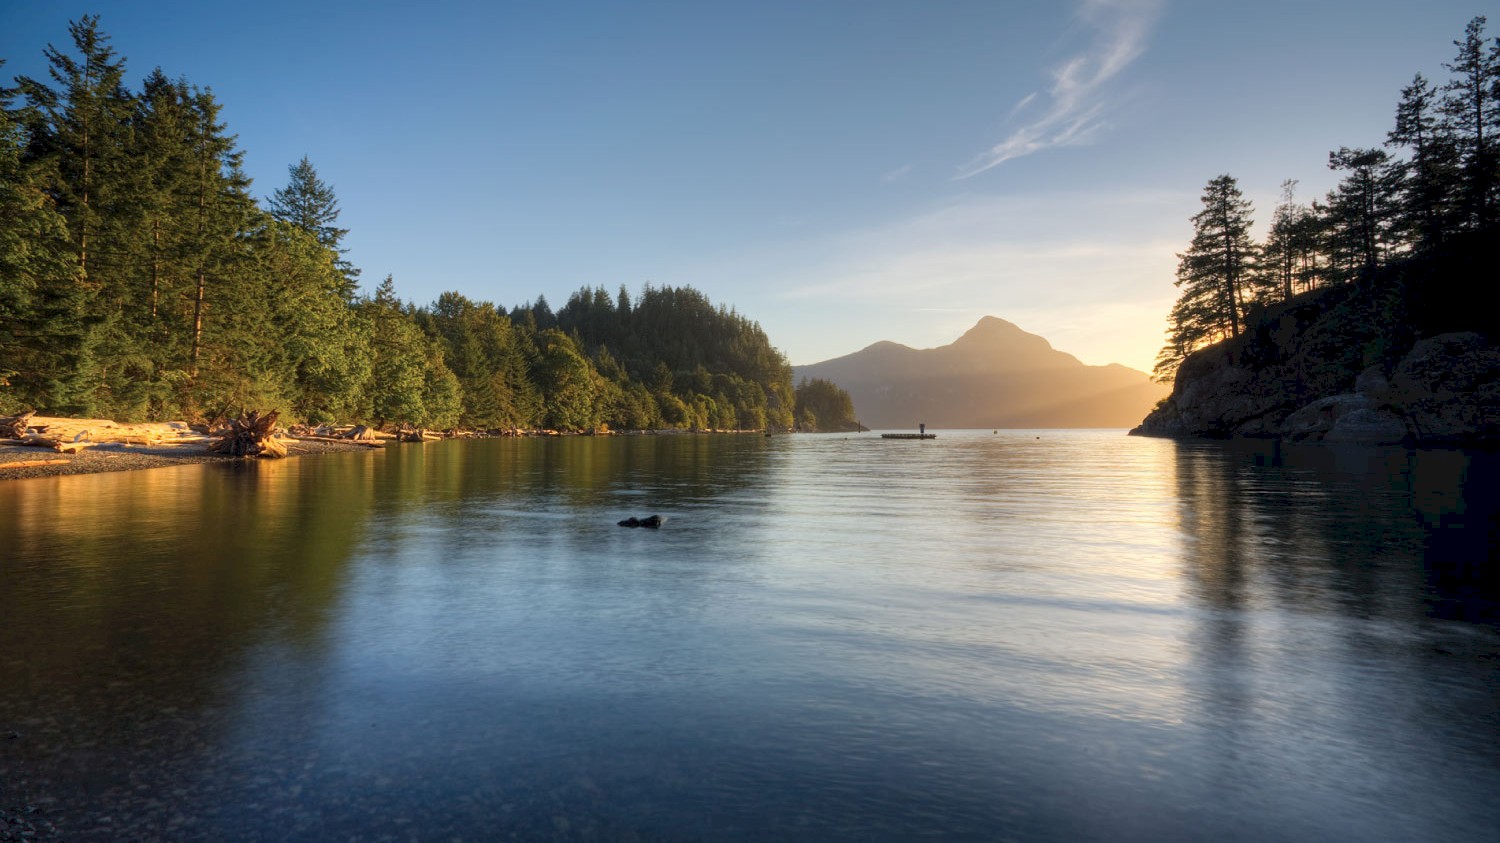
(22, 462)
(19, 462)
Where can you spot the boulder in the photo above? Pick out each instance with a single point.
(1316, 419)
(1366, 426)
(1448, 387)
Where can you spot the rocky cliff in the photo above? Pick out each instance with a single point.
(1406, 356)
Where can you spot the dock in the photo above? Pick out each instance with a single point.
(920, 434)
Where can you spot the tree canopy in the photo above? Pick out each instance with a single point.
(1437, 177)
(139, 279)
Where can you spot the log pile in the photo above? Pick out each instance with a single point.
(251, 435)
(69, 436)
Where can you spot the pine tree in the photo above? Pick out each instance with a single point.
(1287, 250)
(1361, 210)
(1426, 179)
(1470, 106)
(1214, 274)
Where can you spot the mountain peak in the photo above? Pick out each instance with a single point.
(994, 342)
(995, 375)
(993, 328)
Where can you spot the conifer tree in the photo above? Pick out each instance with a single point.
(1214, 275)
(1426, 178)
(309, 203)
(1470, 106)
(80, 131)
(40, 295)
(1287, 249)
(1361, 210)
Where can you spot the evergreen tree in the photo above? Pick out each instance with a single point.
(823, 406)
(1469, 104)
(1361, 210)
(221, 214)
(309, 203)
(81, 132)
(398, 359)
(1213, 274)
(569, 384)
(1426, 179)
(1288, 249)
(40, 294)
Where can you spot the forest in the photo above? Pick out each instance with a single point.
(1430, 191)
(141, 280)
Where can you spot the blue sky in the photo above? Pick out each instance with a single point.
(841, 172)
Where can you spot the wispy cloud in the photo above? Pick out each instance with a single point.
(897, 174)
(1078, 96)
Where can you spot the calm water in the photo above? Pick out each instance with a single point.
(1027, 636)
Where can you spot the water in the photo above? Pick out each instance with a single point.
(1045, 635)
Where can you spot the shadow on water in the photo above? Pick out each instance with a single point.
(1369, 532)
(1339, 588)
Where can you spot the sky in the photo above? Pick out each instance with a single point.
(840, 172)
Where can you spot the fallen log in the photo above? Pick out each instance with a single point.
(251, 435)
(14, 427)
(32, 463)
(336, 440)
(360, 433)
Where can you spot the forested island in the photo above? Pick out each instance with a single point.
(141, 280)
(1359, 317)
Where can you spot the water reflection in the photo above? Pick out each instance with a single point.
(129, 603)
(1031, 636)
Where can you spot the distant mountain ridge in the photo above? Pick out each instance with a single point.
(995, 375)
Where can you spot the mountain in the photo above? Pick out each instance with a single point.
(995, 375)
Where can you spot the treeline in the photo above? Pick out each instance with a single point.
(1435, 180)
(140, 280)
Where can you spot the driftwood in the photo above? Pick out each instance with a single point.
(361, 433)
(364, 442)
(32, 463)
(407, 433)
(35, 440)
(14, 427)
(251, 435)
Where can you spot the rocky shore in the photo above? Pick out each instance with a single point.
(1407, 357)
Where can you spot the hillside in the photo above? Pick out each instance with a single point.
(995, 375)
(1403, 356)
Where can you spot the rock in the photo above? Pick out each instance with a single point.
(1365, 426)
(1448, 386)
(653, 522)
(1318, 418)
(1372, 384)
